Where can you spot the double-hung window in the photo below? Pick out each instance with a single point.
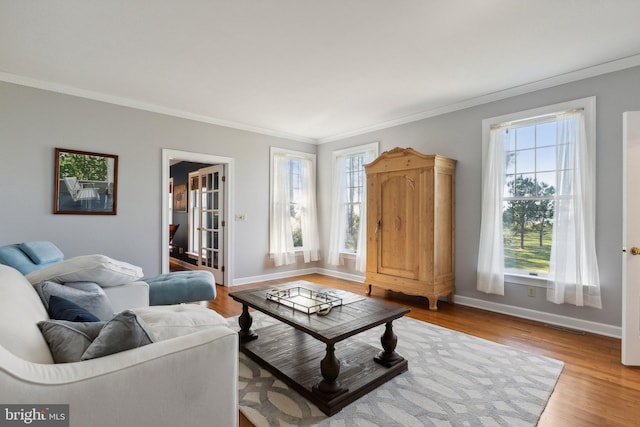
(538, 202)
(348, 204)
(293, 218)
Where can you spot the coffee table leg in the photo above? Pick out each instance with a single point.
(245, 321)
(388, 357)
(330, 369)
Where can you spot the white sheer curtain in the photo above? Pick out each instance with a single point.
(338, 222)
(361, 253)
(573, 269)
(309, 217)
(491, 250)
(280, 235)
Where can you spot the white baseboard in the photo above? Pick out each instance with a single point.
(341, 275)
(273, 276)
(539, 316)
(524, 313)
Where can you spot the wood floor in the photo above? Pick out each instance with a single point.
(594, 389)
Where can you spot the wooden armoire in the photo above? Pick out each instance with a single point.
(410, 224)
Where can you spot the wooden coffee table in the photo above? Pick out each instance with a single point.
(305, 350)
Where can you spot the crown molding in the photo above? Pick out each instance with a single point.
(596, 70)
(608, 67)
(145, 106)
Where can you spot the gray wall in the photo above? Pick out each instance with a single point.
(33, 122)
(459, 135)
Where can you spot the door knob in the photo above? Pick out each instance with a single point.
(635, 250)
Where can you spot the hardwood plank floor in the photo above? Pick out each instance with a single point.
(594, 389)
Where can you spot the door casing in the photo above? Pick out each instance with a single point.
(630, 238)
(167, 156)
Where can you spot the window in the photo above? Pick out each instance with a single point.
(538, 202)
(293, 216)
(530, 176)
(348, 213)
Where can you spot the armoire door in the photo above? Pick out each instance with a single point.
(398, 224)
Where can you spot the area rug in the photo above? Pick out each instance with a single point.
(454, 379)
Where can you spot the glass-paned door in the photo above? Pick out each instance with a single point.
(210, 254)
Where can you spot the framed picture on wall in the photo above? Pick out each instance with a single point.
(85, 183)
(180, 198)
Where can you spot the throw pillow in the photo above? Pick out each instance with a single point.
(42, 252)
(68, 340)
(62, 309)
(88, 268)
(87, 295)
(124, 332)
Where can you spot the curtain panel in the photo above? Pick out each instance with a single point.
(491, 250)
(573, 269)
(280, 234)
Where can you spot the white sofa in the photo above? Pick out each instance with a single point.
(187, 380)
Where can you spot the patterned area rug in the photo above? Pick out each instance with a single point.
(454, 379)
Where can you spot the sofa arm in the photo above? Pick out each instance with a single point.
(128, 296)
(187, 381)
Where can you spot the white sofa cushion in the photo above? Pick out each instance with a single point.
(170, 321)
(100, 269)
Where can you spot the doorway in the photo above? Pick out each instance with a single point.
(219, 249)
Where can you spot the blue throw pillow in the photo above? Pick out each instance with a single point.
(62, 309)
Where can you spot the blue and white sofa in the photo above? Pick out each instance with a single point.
(122, 282)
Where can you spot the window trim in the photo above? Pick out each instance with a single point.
(589, 106)
(293, 153)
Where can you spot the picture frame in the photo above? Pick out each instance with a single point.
(180, 198)
(85, 183)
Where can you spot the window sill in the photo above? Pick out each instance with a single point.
(526, 280)
(348, 254)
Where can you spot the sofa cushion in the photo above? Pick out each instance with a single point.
(87, 295)
(124, 332)
(69, 340)
(167, 322)
(181, 286)
(42, 252)
(63, 309)
(100, 269)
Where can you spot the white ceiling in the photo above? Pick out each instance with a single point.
(310, 70)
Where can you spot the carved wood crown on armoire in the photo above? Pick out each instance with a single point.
(410, 224)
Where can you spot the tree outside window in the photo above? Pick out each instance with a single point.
(530, 180)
